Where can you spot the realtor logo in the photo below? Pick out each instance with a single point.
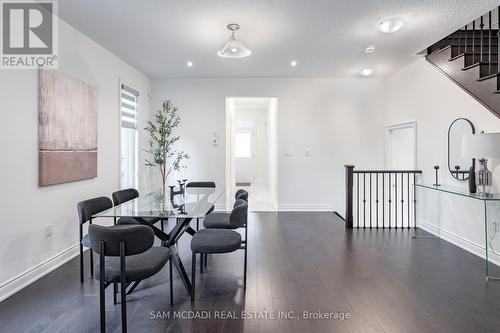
(29, 34)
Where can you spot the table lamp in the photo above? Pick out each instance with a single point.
(482, 146)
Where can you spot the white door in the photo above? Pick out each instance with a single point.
(244, 155)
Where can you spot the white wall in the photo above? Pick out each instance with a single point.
(421, 93)
(260, 161)
(339, 120)
(25, 208)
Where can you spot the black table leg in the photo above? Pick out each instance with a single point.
(180, 268)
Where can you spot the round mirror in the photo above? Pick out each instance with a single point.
(458, 166)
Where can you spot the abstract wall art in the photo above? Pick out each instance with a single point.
(67, 128)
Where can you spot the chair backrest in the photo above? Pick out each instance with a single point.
(241, 194)
(137, 238)
(238, 217)
(201, 184)
(89, 207)
(122, 196)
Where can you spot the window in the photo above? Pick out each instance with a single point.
(129, 138)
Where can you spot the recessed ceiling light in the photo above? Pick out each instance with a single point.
(391, 25)
(369, 49)
(293, 63)
(189, 64)
(366, 72)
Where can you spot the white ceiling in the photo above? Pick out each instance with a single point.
(326, 37)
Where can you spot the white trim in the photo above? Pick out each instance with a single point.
(305, 207)
(31, 275)
(459, 241)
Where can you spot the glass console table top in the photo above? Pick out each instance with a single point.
(195, 203)
(460, 191)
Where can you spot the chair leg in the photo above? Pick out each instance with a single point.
(193, 276)
(246, 250)
(81, 253)
(197, 224)
(115, 292)
(201, 263)
(206, 259)
(123, 287)
(161, 222)
(171, 282)
(102, 295)
(91, 253)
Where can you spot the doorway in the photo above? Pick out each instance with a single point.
(401, 146)
(251, 151)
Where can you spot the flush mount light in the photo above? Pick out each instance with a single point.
(234, 48)
(391, 25)
(369, 49)
(293, 63)
(366, 72)
(189, 64)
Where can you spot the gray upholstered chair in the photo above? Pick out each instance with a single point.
(126, 257)
(241, 194)
(123, 196)
(86, 209)
(211, 241)
(202, 185)
(238, 218)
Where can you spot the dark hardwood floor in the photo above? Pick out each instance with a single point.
(385, 280)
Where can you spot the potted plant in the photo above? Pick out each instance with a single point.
(161, 150)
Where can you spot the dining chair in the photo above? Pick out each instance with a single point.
(86, 209)
(202, 185)
(126, 257)
(238, 218)
(211, 241)
(241, 194)
(125, 195)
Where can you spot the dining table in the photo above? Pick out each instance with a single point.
(191, 203)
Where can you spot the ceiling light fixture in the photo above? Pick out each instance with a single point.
(293, 63)
(391, 25)
(369, 49)
(189, 64)
(366, 72)
(234, 48)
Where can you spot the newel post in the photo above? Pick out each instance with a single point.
(349, 184)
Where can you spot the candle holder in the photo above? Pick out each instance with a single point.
(436, 169)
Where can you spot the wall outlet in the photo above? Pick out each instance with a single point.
(48, 230)
(288, 152)
(308, 152)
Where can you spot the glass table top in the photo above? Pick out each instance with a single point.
(196, 202)
(460, 191)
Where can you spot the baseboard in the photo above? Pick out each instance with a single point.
(305, 207)
(461, 242)
(24, 279)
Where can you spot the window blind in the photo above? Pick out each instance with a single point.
(128, 105)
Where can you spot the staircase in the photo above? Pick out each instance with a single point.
(470, 58)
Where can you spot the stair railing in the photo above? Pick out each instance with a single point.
(380, 198)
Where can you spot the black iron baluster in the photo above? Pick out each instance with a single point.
(370, 174)
(465, 45)
(402, 202)
(364, 200)
(390, 215)
(408, 198)
(498, 38)
(383, 201)
(414, 203)
(396, 200)
(481, 26)
(376, 197)
(357, 203)
(473, 43)
(490, 46)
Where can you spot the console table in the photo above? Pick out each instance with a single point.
(487, 201)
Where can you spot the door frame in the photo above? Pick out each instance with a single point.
(272, 114)
(388, 134)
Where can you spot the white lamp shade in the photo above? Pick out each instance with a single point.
(234, 49)
(484, 145)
